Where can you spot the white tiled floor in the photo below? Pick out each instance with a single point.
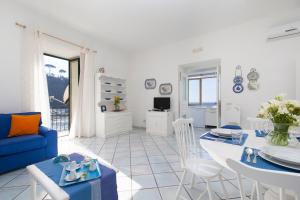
(149, 168)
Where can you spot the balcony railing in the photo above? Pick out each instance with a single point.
(60, 119)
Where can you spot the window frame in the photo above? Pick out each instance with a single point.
(200, 78)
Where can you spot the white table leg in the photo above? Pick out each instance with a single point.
(33, 188)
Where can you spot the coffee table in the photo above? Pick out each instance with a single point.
(108, 181)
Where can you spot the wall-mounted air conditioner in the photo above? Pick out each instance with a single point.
(278, 32)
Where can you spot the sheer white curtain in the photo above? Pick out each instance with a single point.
(83, 122)
(34, 82)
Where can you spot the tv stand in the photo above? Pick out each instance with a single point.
(159, 123)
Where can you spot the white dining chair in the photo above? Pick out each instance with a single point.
(284, 181)
(191, 160)
(255, 123)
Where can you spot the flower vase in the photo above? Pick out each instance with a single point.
(280, 134)
(117, 107)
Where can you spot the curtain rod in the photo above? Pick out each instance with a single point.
(57, 38)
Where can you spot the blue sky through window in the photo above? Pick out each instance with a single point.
(194, 91)
(209, 90)
(60, 64)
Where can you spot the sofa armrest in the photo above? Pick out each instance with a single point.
(51, 137)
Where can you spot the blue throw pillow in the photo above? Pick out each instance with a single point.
(5, 122)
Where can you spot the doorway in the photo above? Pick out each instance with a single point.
(62, 79)
(199, 93)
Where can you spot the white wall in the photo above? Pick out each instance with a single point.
(243, 45)
(114, 60)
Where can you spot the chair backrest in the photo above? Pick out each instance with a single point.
(231, 114)
(280, 179)
(185, 137)
(257, 123)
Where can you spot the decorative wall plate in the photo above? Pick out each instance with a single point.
(165, 89)
(253, 76)
(150, 84)
(238, 80)
(238, 88)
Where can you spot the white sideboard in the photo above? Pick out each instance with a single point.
(109, 124)
(159, 123)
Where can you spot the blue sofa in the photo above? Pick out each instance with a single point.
(18, 152)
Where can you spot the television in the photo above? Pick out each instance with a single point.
(162, 103)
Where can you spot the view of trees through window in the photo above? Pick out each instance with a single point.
(202, 91)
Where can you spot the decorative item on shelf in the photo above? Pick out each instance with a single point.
(101, 70)
(238, 80)
(116, 102)
(103, 108)
(165, 89)
(283, 114)
(253, 76)
(150, 84)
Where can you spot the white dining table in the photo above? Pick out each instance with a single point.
(220, 151)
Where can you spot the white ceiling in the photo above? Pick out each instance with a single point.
(139, 24)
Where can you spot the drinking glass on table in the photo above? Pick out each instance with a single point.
(268, 127)
(293, 136)
(236, 136)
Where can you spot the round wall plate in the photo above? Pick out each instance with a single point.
(238, 88)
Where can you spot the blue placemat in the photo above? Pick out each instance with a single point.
(260, 133)
(264, 164)
(209, 136)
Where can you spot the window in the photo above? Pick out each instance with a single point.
(194, 91)
(58, 79)
(202, 90)
(209, 91)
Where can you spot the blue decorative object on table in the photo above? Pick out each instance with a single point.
(61, 158)
(262, 163)
(104, 188)
(260, 133)
(228, 140)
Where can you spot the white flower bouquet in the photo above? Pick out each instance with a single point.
(283, 113)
